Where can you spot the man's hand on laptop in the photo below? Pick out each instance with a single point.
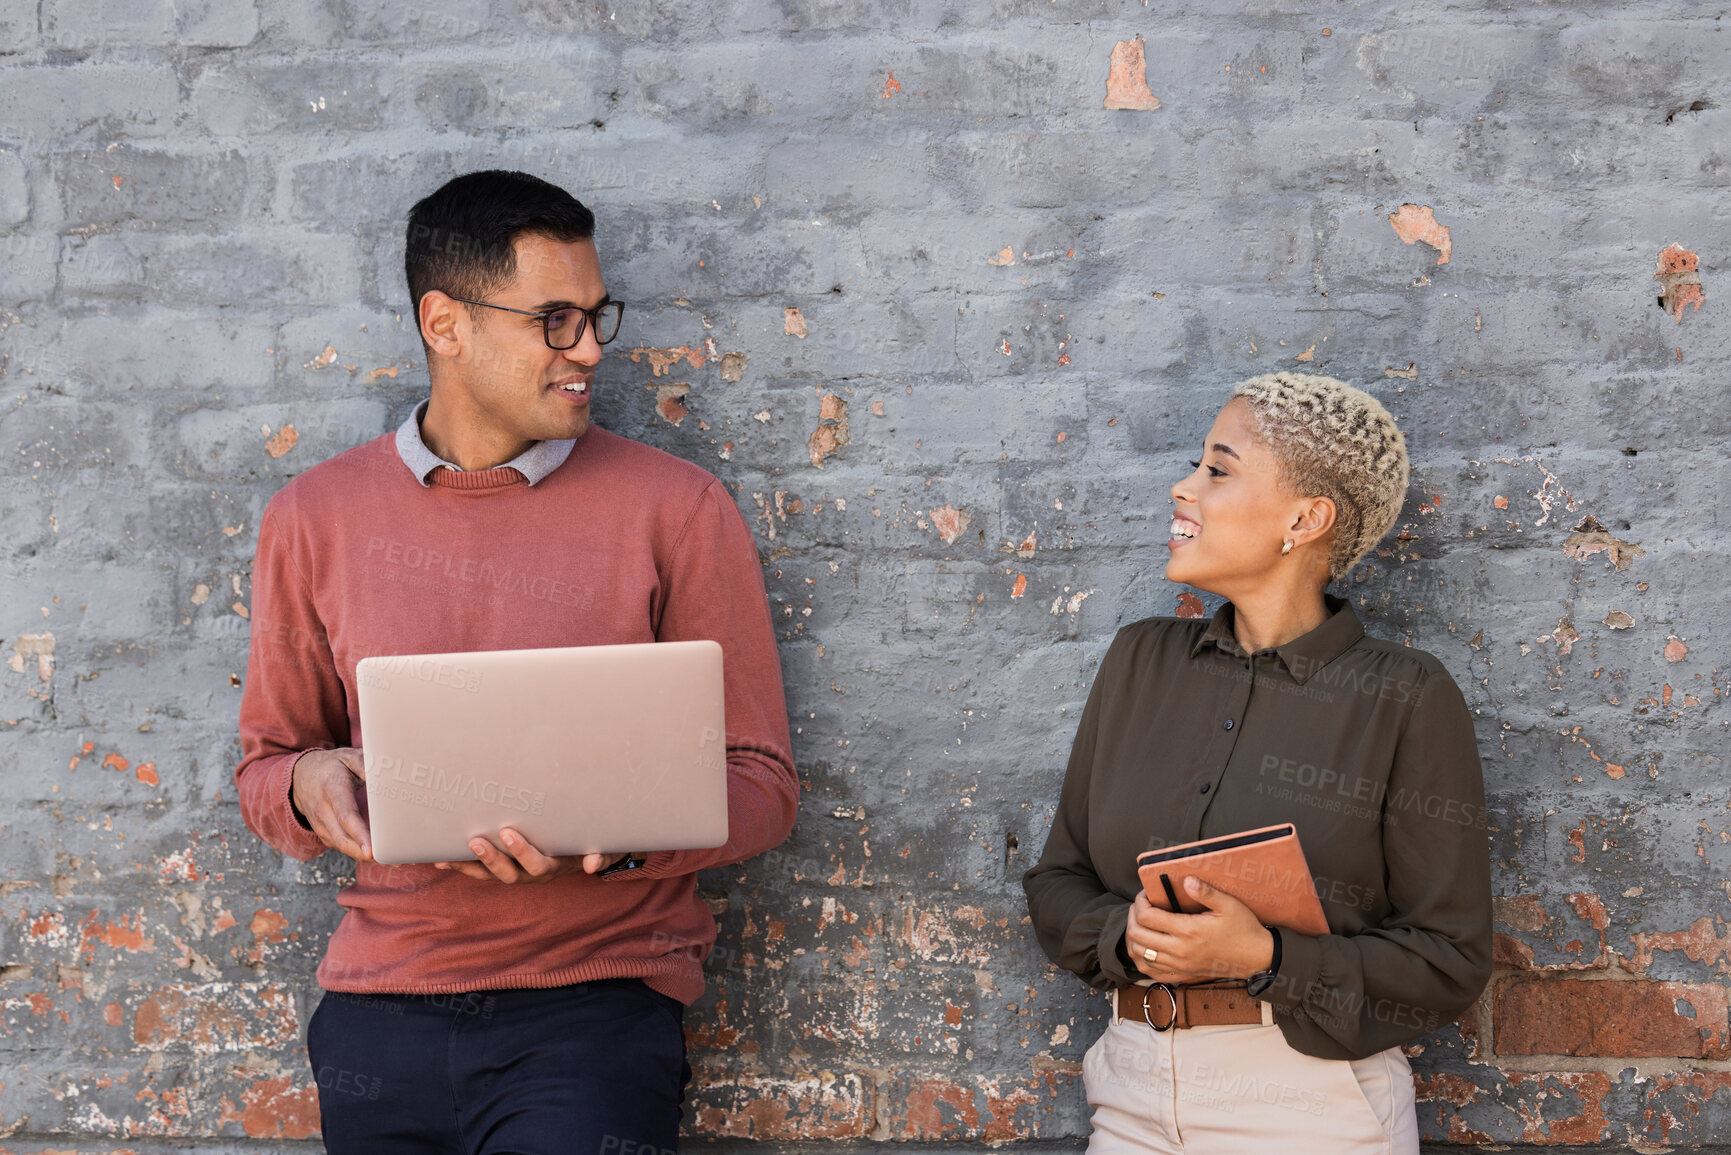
(323, 793)
(521, 862)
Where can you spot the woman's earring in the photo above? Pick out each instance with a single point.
(1286, 548)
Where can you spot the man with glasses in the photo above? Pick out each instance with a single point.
(515, 1002)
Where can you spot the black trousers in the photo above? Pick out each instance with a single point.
(594, 1068)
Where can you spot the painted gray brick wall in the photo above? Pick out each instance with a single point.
(1031, 306)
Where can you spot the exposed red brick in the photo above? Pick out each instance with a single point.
(1590, 537)
(1526, 927)
(1444, 1087)
(1414, 223)
(1679, 278)
(832, 428)
(1701, 943)
(1520, 911)
(1004, 1119)
(268, 926)
(923, 1116)
(1699, 1087)
(1468, 1025)
(275, 1109)
(670, 401)
(1127, 81)
(950, 522)
(120, 935)
(1542, 1125)
(1556, 1016)
(282, 441)
(661, 360)
(822, 1105)
(214, 1017)
(1509, 951)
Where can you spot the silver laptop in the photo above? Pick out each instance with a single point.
(583, 749)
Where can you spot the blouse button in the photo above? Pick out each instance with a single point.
(1205, 786)
(1229, 723)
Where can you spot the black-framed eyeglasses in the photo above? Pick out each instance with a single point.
(563, 328)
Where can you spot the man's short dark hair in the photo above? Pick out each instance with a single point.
(461, 238)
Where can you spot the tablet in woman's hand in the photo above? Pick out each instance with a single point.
(1262, 868)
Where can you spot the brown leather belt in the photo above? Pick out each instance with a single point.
(1164, 1007)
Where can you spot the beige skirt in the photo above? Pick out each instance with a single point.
(1229, 1089)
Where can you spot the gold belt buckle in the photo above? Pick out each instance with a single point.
(1147, 1014)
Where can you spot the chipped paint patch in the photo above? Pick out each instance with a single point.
(268, 926)
(1190, 606)
(1679, 278)
(792, 323)
(661, 360)
(1072, 604)
(215, 1018)
(1589, 537)
(274, 1108)
(670, 401)
(39, 647)
(281, 441)
(1700, 943)
(1005, 256)
(1414, 223)
(732, 366)
(832, 429)
(1127, 79)
(743, 1105)
(891, 84)
(950, 522)
(937, 1109)
(120, 935)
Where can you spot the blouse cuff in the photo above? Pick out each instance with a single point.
(1300, 967)
(1111, 951)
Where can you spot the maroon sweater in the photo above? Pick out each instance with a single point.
(620, 543)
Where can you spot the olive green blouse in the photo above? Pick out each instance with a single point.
(1366, 746)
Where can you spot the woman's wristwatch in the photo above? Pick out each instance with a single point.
(1259, 982)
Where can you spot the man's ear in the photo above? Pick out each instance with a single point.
(440, 324)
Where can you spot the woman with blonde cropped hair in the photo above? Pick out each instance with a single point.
(1226, 1033)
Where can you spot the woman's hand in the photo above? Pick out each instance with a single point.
(1226, 941)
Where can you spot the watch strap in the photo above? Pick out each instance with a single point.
(1263, 979)
(631, 861)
